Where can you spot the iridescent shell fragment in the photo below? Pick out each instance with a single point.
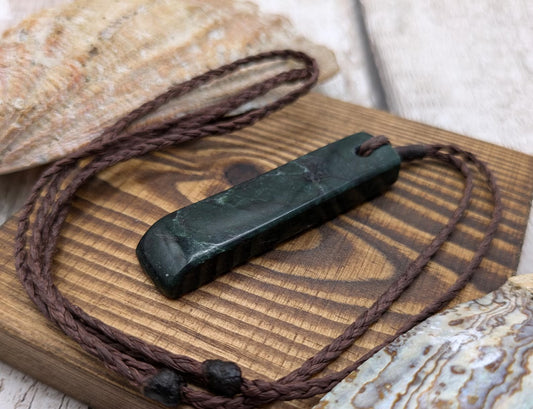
(475, 355)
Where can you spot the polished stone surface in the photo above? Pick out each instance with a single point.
(197, 243)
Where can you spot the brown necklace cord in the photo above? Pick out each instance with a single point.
(160, 373)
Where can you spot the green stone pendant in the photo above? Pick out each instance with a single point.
(192, 246)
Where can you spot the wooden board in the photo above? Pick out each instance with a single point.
(272, 313)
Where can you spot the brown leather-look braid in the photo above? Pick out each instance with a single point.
(163, 375)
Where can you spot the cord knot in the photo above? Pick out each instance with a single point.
(370, 145)
(413, 152)
(223, 378)
(165, 387)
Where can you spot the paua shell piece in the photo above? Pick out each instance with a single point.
(68, 72)
(476, 355)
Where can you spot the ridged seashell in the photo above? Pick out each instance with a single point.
(477, 355)
(66, 73)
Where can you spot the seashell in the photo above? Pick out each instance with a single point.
(475, 355)
(68, 72)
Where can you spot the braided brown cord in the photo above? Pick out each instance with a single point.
(51, 196)
(139, 361)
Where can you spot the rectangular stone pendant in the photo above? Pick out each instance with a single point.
(192, 246)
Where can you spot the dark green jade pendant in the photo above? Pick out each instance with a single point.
(192, 246)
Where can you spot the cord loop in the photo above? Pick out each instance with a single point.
(138, 361)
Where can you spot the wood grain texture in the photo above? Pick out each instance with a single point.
(273, 313)
(20, 391)
(465, 66)
(462, 65)
(340, 31)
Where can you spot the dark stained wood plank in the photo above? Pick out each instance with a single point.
(272, 313)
